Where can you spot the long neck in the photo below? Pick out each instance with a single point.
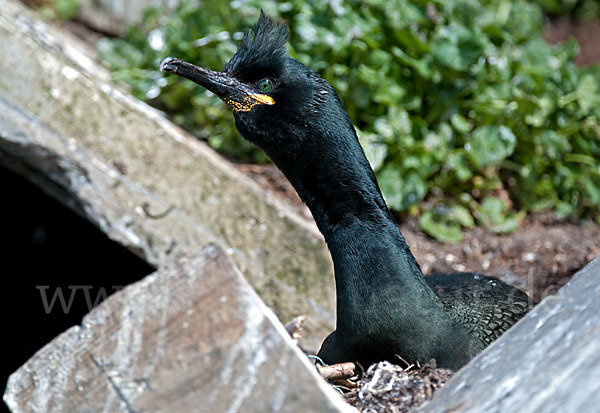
(372, 261)
(380, 289)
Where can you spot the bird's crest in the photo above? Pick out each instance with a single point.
(262, 52)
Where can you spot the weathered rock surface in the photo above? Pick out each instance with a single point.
(192, 337)
(548, 362)
(142, 180)
(115, 16)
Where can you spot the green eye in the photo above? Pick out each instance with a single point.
(265, 85)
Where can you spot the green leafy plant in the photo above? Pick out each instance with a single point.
(445, 223)
(493, 214)
(459, 98)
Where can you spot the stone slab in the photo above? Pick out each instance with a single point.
(548, 362)
(192, 337)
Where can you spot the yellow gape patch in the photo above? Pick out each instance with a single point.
(249, 102)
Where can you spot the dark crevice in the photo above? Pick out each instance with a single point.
(47, 250)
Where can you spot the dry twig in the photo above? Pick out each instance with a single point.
(340, 371)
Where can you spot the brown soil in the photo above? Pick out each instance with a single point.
(586, 32)
(539, 257)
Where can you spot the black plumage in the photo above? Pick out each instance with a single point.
(385, 307)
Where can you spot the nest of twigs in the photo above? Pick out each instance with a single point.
(384, 387)
(387, 387)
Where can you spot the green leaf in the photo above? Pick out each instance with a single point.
(493, 214)
(592, 190)
(449, 55)
(463, 216)
(588, 95)
(554, 144)
(401, 188)
(489, 145)
(460, 124)
(440, 227)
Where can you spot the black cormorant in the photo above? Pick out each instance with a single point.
(385, 307)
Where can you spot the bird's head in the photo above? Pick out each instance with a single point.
(275, 99)
(296, 117)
